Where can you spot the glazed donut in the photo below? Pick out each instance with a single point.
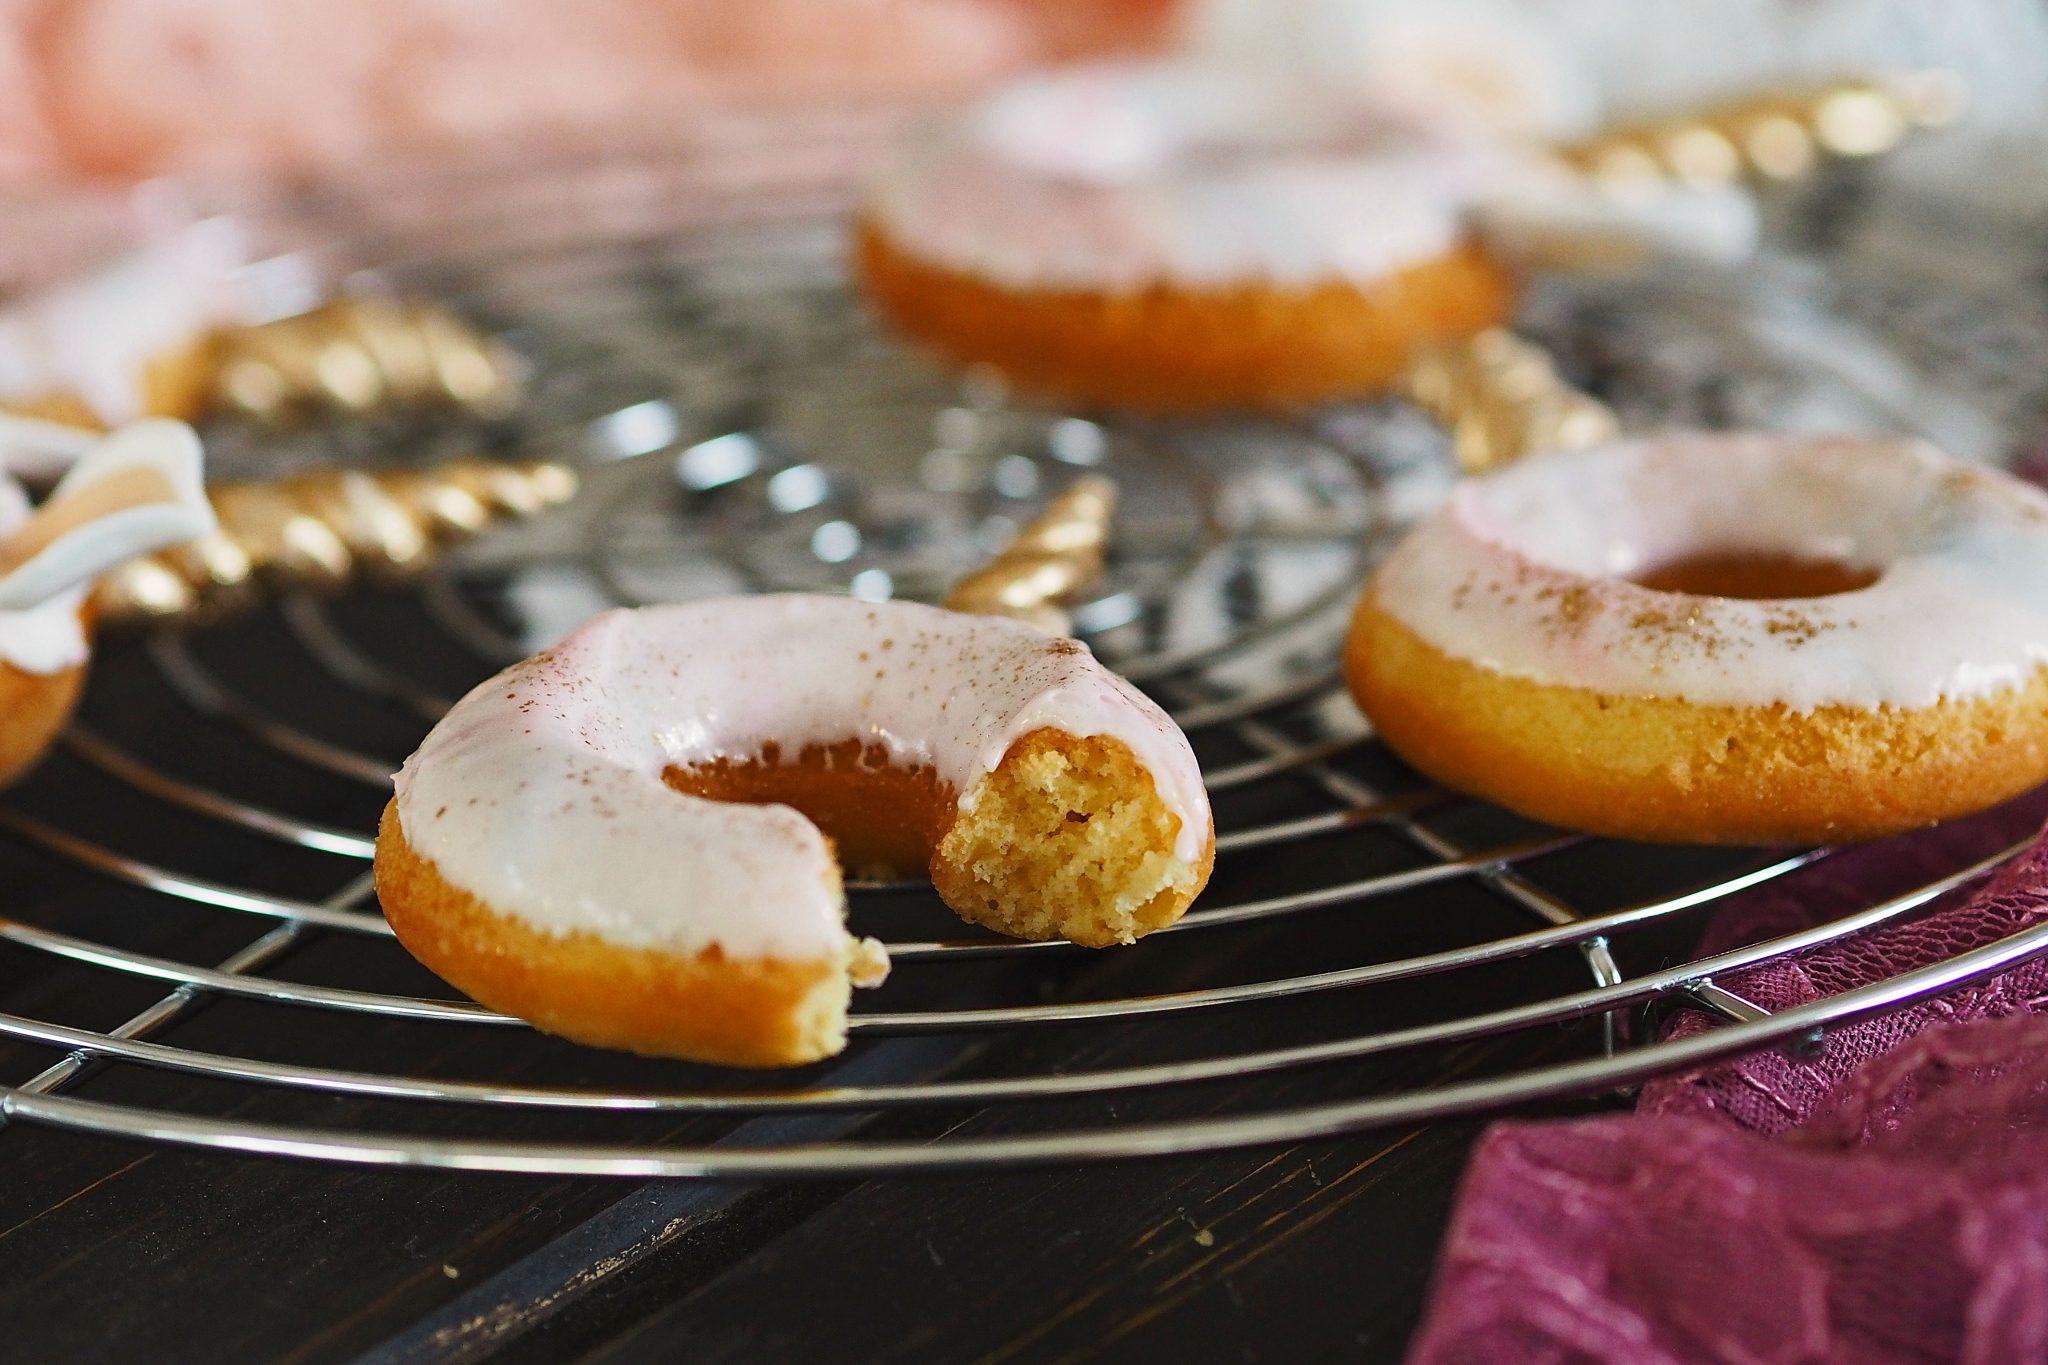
(135, 491)
(1720, 638)
(1183, 237)
(629, 839)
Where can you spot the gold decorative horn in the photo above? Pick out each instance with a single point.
(1053, 560)
(359, 353)
(326, 528)
(1778, 136)
(1499, 397)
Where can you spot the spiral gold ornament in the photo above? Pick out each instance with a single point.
(359, 354)
(1773, 136)
(324, 529)
(1051, 562)
(1499, 397)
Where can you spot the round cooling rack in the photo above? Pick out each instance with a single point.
(191, 952)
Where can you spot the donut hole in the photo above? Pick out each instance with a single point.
(884, 819)
(1721, 515)
(1756, 575)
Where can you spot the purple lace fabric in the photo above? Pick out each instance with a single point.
(1885, 1201)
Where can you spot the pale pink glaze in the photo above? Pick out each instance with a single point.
(1117, 176)
(541, 792)
(1527, 572)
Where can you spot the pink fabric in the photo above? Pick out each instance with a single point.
(1886, 1201)
(1774, 1091)
(119, 89)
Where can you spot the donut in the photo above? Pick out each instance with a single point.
(1705, 638)
(135, 491)
(1180, 237)
(629, 840)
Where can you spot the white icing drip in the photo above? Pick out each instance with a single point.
(1524, 572)
(95, 336)
(1118, 176)
(542, 794)
(40, 631)
(1545, 215)
(167, 450)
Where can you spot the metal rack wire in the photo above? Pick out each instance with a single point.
(190, 955)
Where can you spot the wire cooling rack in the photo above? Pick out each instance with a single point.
(190, 952)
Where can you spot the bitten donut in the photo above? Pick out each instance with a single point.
(133, 492)
(1720, 639)
(629, 839)
(1179, 237)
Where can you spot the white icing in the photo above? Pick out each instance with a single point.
(541, 792)
(95, 335)
(163, 448)
(1526, 572)
(1545, 215)
(1114, 176)
(40, 630)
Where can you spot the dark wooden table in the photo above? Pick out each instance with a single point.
(115, 1251)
